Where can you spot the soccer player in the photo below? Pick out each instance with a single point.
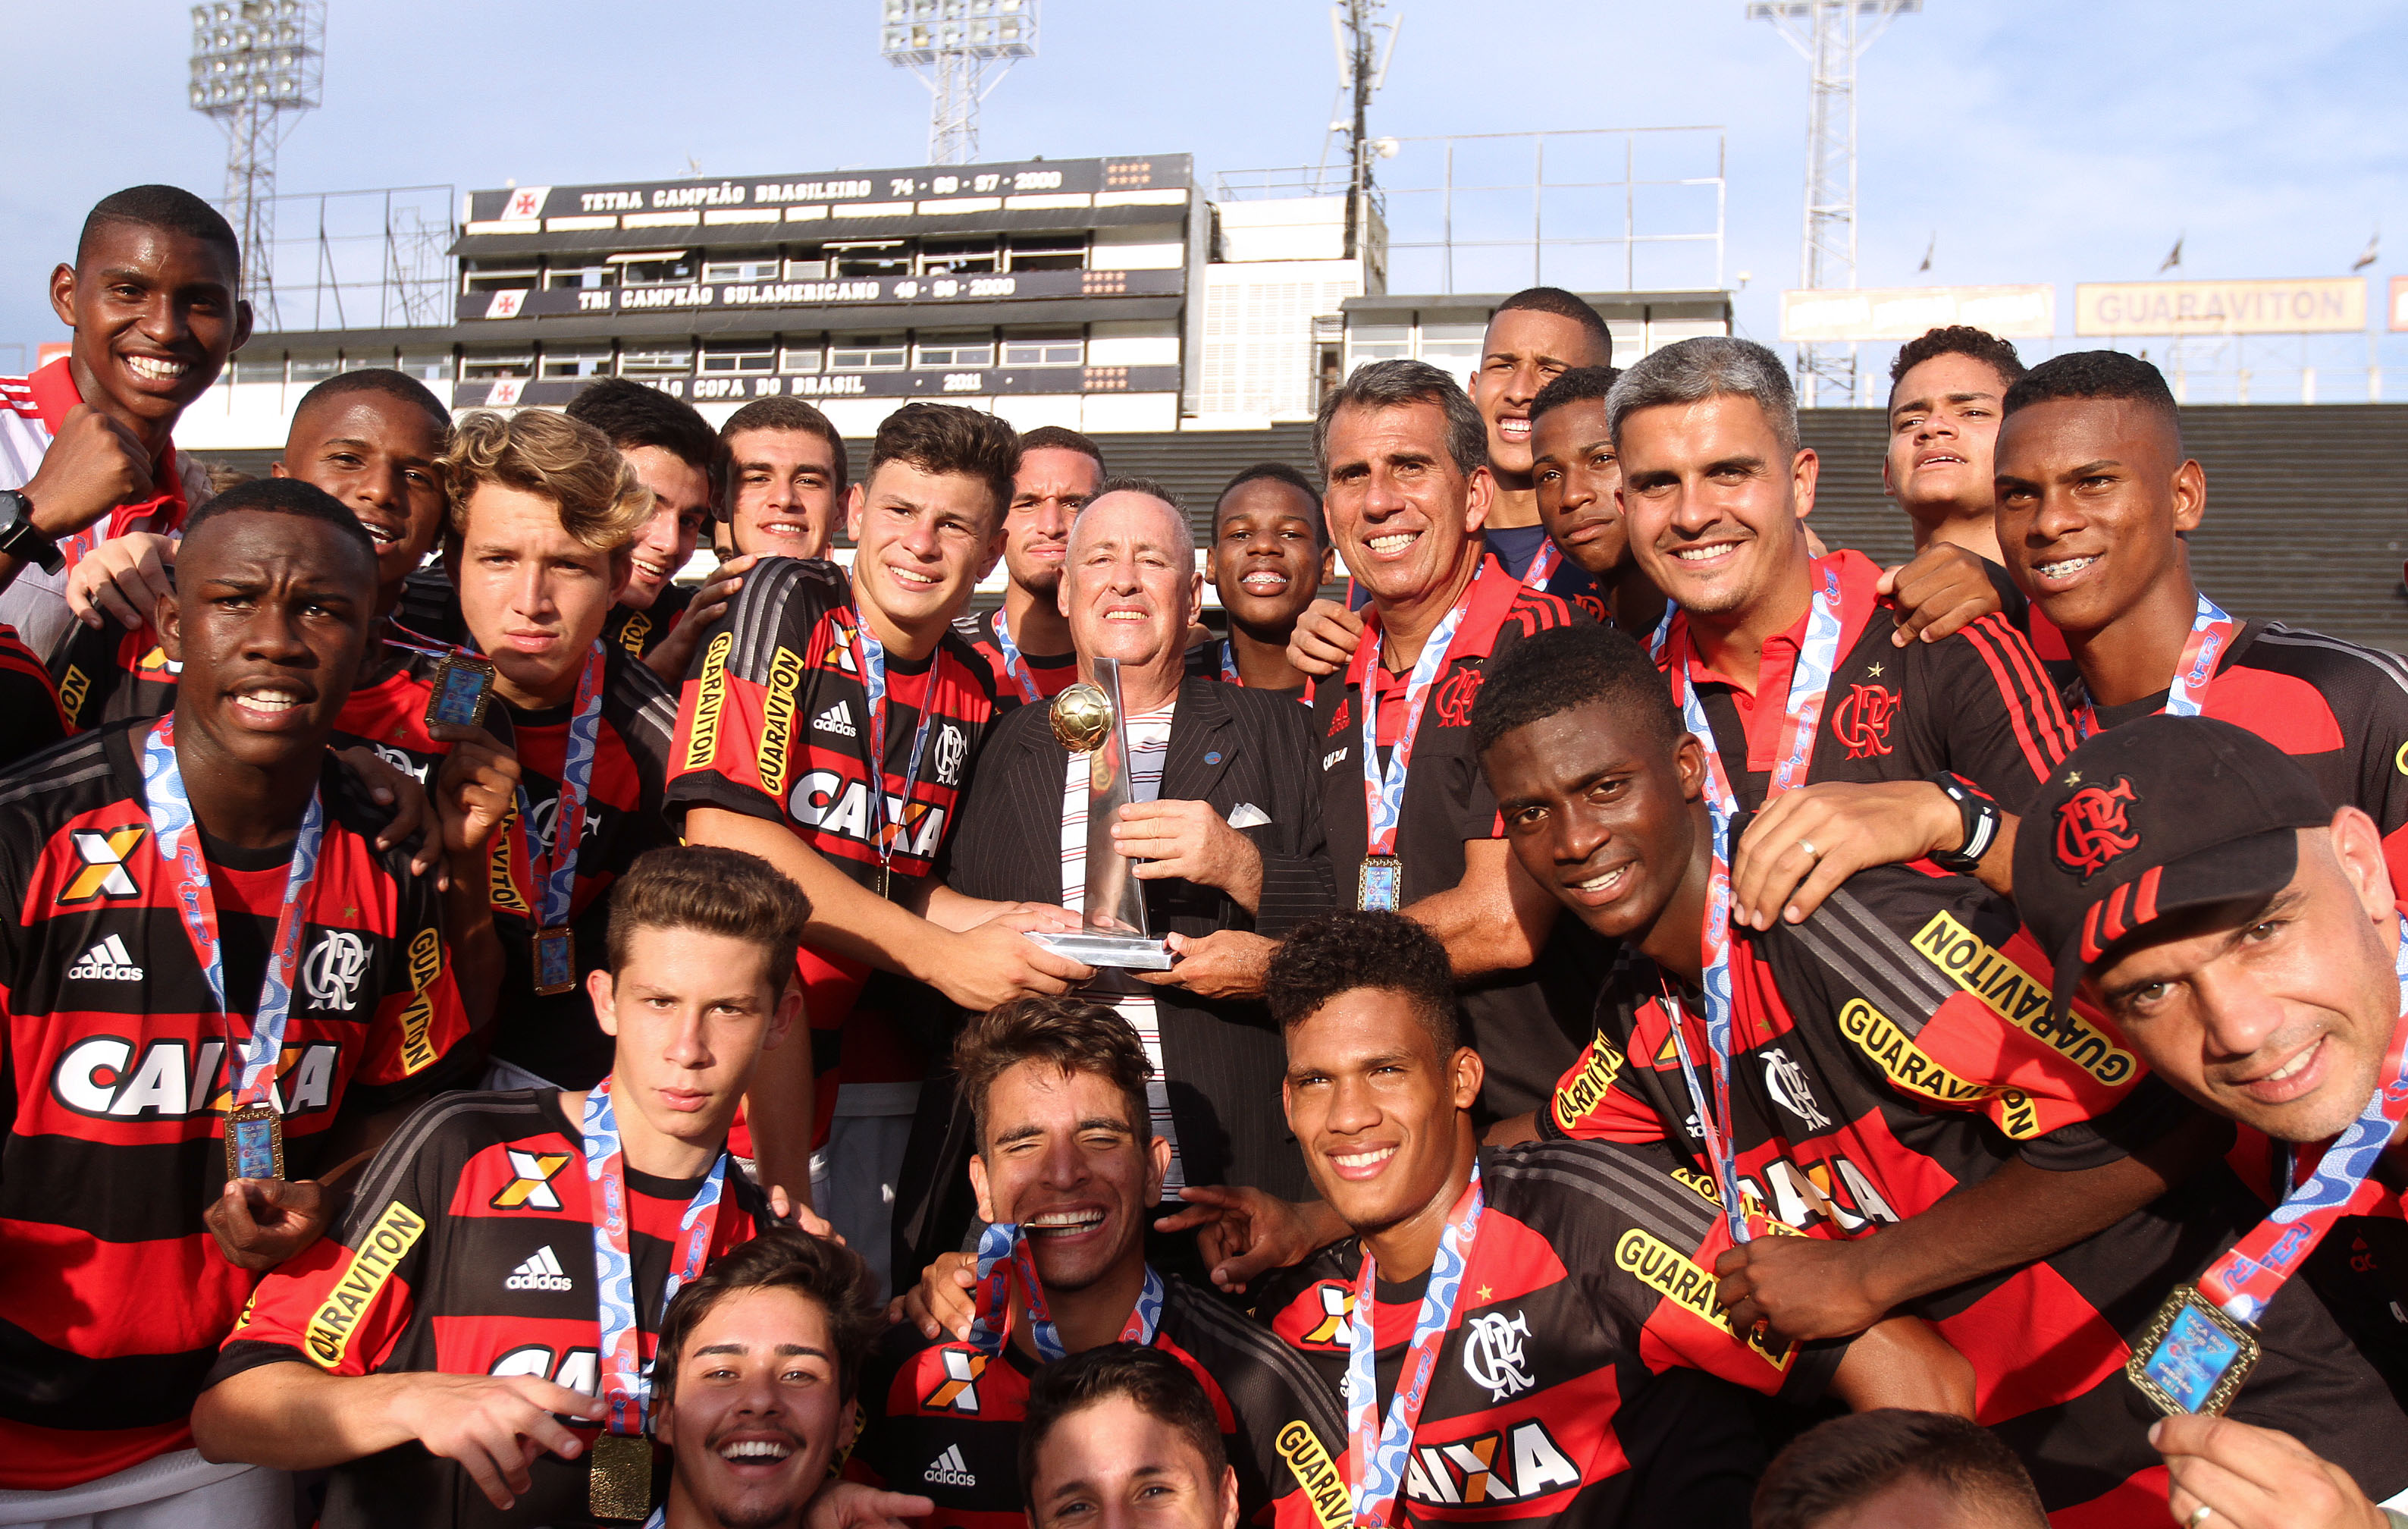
(1065, 1168)
(1271, 556)
(476, 1293)
(1123, 1435)
(86, 443)
(1026, 642)
(786, 480)
(1833, 733)
(1578, 481)
(2095, 496)
(2245, 936)
(674, 455)
(1947, 393)
(830, 727)
(1897, 1469)
(1889, 1068)
(200, 931)
(1410, 823)
(1534, 336)
(753, 1382)
(1552, 1298)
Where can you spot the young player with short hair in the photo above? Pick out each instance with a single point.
(1578, 481)
(1124, 1434)
(1891, 1468)
(1025, 640)
(1269, 556)
(786, 473)
(507, 1258)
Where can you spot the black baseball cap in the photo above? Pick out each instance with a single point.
(2155, 817)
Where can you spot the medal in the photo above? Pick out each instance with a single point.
(461, 689)
(556, 960)
(1817, 655)
(1380, 1453)
(620, 1483)
(1383, 792)
(869, 657)
(619, 1478)
(254, 1127)
(1380, 888)
(1003, 1253)
(554, 873)
(2211, 635)
(2198, 1348)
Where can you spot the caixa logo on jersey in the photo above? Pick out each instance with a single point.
(116, 1077)
(1514, 1463)
(825, 801)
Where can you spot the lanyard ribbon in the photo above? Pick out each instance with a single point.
(2245, 1279)
(1383, 796)
(1014, 664)
(178, 838)
(1380, 1454)
(1817, 657)
(553, 873)
(626, 1385)
(869, 657)
(1542, 567)
(1003, 1253)
(2211, 637)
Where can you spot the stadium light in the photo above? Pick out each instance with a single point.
(954, 41)
(257, 64)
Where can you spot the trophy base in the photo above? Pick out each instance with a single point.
(1127, 952)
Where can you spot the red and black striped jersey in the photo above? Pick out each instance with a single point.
(2341, 710)
(109, 673)
(943, 1420)
(1897, 1046)
(28, 700)
(1567, 1388)
(552, 1036)
(1447, 804)
(1977, 704)
(774, 723)
(641, 631)
(468, 1248)
(112, 1296)
(1054, 673)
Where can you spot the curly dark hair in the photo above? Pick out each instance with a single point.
(1342, 952)
(2094, 374)
(1957, 339)
(944, 437)
(1552, 673)
(782, 1257)
(1158, 1384)
(1581, 384)
(1067, 1032)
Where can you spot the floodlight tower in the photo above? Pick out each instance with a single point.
(954, 41)
(1362, 69)
(257, 64)
(1832, 35)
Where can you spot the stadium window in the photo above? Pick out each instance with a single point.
(1049, 252)
(311, 369)
(363, 360)
(869, 257)
(865, 353)
(799, 357)
(738, 360)
(749, 265)
(963, 351)
(427, 365)
(806, 270)
(1453, 345)
(561, 363)
(486, 366)
(482, 278)
(1058, 349)
(960, 257)
(1378, 342)
(655, 269)
(663, 362)
(580, 278)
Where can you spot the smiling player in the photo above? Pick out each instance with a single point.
(1271, 556)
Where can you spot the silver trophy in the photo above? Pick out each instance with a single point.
(1088, 720)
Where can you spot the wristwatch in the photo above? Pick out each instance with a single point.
(21, 539)
(1982, 820)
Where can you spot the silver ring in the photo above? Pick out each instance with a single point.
(1812, 853)
(2198, 1516)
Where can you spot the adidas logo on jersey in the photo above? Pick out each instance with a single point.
(836, 720)
(950, 1469)
(542, 1272)
(107, 961)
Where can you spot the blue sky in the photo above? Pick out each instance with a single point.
(2056, 140)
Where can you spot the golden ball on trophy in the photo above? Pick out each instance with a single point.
(1083, 717)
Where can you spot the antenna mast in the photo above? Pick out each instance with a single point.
(257, 64)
